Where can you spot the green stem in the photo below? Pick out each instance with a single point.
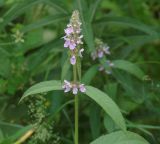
(75, 107)
(76, 119)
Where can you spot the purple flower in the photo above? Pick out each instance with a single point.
(73, 37)
(67, 43)
(73, 60)
(100, 54)
(82, 88)
(72, 45)
(69, 30)
(66, 86)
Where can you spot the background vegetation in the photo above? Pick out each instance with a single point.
(31, 50)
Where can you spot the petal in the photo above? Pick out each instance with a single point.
(80, 52)
(67, 82)
(72, 45)
(106, 50)
(100, 54)
(67, 43)
(75, 90)
(73, 60)
(82, 88)
(68, 30)
(67, 89)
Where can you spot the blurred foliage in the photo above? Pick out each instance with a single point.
(31, 50)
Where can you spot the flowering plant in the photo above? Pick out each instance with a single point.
(73, 42)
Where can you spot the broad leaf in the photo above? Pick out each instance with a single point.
(42, 87)
(120, 137)
(107, 104)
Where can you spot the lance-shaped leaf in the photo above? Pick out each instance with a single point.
(129, 67)
(107, 104)
(120, 137)
(42, 87)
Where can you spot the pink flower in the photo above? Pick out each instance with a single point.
(73, 37)
(67, 43)
(100, 54)
(73, 60)
(72, 45)
(82, 88)
(69, 30)
(74, 87)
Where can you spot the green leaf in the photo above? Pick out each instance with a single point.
(65, 69)
(136, 42)
(95, 120)
(107, 104)
(93, 8)
(109, 124)
(125, 21)
(120, 137)
(43, 22)
(5, 63)
(42, 87)
(16, 135)
(86, 24)
(1, 135)
(129, 67)
(16, 10)
(89, 75)
(20, 7)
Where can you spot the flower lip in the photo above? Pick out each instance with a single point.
(69, 30)
(82, 88)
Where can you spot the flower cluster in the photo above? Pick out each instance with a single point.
(68, 86)
(101, 50)
(73, 37)
(107, 68)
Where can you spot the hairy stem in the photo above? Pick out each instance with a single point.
(75, 107)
